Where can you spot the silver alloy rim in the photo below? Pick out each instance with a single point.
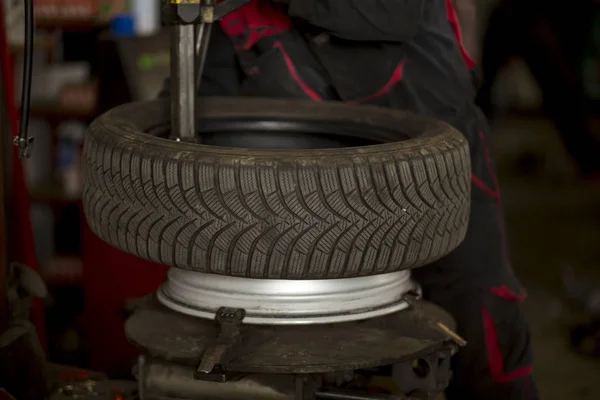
(287, 302)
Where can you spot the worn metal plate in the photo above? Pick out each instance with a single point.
(179, 338)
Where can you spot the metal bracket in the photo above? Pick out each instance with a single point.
(24, 144)
(424, 378)
(187, 65)
(219, 352)
(193, 12)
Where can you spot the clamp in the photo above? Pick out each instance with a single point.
(220, 352)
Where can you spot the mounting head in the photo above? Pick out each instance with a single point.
(189, 12)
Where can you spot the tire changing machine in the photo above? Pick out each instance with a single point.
(254, 342)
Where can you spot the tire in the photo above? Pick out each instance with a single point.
(278, 214)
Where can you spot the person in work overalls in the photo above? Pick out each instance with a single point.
(408, 55)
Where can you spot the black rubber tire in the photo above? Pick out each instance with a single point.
(291, 214)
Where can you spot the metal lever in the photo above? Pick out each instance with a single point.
(23, 141)
(188, 57)
(202, 41)
(183, 85)
(230, 320)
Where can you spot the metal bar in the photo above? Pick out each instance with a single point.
(202, 42)
(182, 82)
(339, 394)
(170, 381)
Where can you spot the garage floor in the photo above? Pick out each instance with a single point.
(553, 221)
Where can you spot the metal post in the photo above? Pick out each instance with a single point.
(202, 42)
(183, 124)
(204, 33)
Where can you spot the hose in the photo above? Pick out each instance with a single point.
(23, 141)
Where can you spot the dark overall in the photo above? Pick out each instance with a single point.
(551, 39)
(403, 54)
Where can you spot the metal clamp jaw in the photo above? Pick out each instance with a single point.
(230, 320)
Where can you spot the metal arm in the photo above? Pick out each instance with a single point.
(188, 55)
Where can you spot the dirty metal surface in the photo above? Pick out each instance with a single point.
(230, 321)
(170, 336)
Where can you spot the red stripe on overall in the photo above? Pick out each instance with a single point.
(261, 18)
(494, 354)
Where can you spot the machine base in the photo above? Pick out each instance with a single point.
(402, 356)
(403, 381)
(166, 335)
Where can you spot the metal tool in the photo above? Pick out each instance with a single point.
(182, 82)
(188, 56)
(203, 35)
(23, 141)
(218, 353)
